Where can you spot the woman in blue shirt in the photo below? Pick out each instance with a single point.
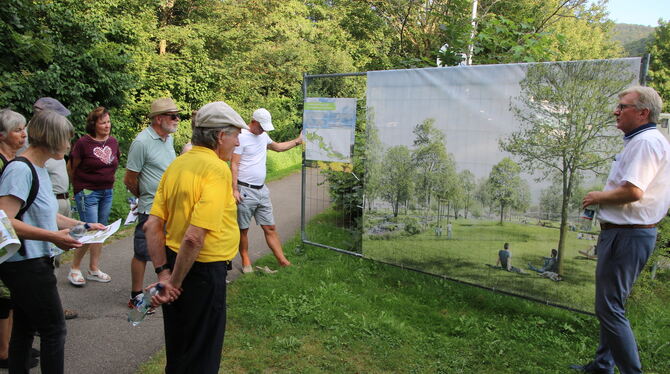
(29, 273)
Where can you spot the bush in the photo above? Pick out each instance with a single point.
(412, 226)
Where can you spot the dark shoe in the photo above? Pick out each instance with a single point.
(70, 314)
(588, 368)
(4, 364)
(34, 352)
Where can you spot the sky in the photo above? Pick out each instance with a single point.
(639, 12)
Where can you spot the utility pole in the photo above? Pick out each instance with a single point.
(471, 47)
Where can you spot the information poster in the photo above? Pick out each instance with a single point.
(329, 125)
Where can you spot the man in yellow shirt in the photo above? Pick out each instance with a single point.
(192, 235)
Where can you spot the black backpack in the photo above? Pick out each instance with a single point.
(34, 188)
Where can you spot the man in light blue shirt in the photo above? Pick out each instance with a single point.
(150, 154)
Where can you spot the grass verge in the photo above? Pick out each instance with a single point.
(332, 313)
(476, 243)
(281, 164)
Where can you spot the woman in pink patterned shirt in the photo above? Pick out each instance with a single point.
(93, 163)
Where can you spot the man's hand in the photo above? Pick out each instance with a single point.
(624, 194)
(167, 294)
(591, 198)
(64, 241)
(236, 195)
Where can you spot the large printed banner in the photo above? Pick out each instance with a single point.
(465, 161)
(329, 125)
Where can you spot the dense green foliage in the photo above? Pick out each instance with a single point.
(659, 69)
(123, 54)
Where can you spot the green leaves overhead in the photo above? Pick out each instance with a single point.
(660, 63)
(125, 53)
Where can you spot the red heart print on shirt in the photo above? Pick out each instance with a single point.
(104, 154)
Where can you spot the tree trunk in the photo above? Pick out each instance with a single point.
(165, 20)
(448, 211)
(567, 189)
(396, 206)
(502, 212)
(467, 205)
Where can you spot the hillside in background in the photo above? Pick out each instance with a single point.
(633, 38)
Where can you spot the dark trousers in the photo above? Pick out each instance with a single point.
(37, 307)
(622, 253)
(196, 322)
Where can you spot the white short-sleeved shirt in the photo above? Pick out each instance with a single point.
(645, 163)
(16, 181)
(253, 150)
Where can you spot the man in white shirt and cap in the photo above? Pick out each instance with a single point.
(252, 195)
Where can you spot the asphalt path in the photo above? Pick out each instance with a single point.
(101, 340)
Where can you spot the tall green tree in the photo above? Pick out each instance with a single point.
(71, 50)
(505, 188)
(431, 159)
(468, 184)
(659, 68)
(565, 111)
(398, 179)
(374, 152)
(542, 30)
(550, 201)
(421, 28)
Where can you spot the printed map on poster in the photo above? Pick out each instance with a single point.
(329, 125)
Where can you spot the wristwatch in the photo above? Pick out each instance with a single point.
(162, 267)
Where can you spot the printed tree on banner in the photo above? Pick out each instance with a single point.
(504, 187)
(398, 179)
(565, 111)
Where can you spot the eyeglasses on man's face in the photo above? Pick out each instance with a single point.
(621, 107)
(172, 116)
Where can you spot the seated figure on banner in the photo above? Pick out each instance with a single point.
(550, 263)
(504, 261)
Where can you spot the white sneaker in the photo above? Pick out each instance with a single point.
(247, 269)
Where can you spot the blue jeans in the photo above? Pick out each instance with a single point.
(622, 253)
(94, 206)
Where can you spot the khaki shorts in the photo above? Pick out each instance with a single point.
(255, 203)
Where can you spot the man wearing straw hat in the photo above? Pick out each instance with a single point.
(150, 154)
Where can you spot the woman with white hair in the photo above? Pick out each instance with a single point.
(29, 273)
(12, 135)
(12, 138)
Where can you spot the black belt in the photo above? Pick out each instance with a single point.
(249, 185)
(61, 196)
(608, 226)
